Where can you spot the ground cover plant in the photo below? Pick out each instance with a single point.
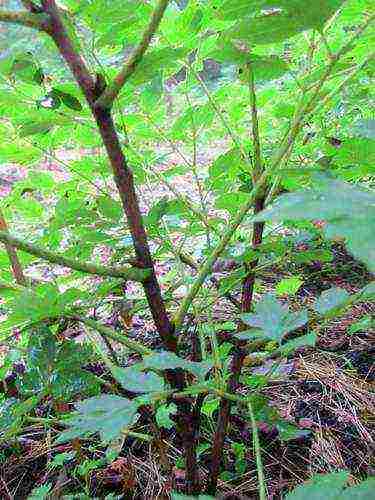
(188, 230)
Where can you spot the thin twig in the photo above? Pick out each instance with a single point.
(28, 19)
(132, 274)
(18, 274)
(258, 456)
(105, 101)
(113, 335)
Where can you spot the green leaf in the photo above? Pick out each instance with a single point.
(289, 18)
(108, 415)
(34, 128)
(110, 208)
(362, 491)
(169, 361)
(163, 414)
(273, 319)
(133, 379)
(365, 324)
(328, 486)
(231, 202)
(348, 210)
(289, 286)
(56, 367)
(305, 340)
(41, 492)
(26, 69)
(288, 431)
(368, 292)
(365, 128)
(180, 496)
(331, 300)
(264, 68)
(69, 100)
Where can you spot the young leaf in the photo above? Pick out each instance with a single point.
(289, 286)
(273, 319)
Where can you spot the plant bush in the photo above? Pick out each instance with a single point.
(272, 93)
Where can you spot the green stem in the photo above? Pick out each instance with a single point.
(218, 112)
(207, 266)
(255, 125)
(105, 101)
(28, 19)
(112, 334)
(256, 445)
(132, 274)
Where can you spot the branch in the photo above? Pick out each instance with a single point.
(273, 166)
(12, 255)
(207, 267)
(112, 91)
(258, 456)
(57, 31)
(113, 335)
(255, 125)
(132, 274)
(30, 5)
(189, 261)
(36, 21)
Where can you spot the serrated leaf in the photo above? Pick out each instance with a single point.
(108, 415)
(169, 361)
(133, 379)
(289, 286)
(272, 319)
(331, 299)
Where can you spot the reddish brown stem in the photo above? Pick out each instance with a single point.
(223, 419)
(248, 283)
(124, 180)
(122, 173)
(12, 254)
(237, 361)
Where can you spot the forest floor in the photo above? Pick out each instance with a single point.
(326, 392)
